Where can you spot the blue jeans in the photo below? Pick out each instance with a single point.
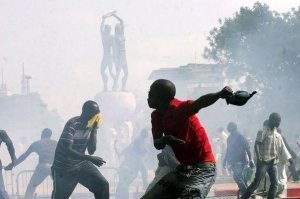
(238, 175)
(261, 169)
(184, 183)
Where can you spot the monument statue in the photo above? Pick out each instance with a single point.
(120, 52)
(108, 45)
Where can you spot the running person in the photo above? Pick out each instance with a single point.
(45, 148)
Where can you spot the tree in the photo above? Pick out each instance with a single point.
(264, 47)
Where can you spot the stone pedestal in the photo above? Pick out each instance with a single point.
(117, 110)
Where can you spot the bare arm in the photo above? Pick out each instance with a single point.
(9, 144)
(20, 159)
(92, 141)
(119, 19)
(65, 144)
(121, 22)
(67, 147)
(24, 156)
(211, 98)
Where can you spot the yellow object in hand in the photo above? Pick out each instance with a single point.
(97, 118)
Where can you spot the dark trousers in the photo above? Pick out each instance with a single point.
(3, 193)
(238, 175)
(183, 183)
(64, 182)
(261, 169)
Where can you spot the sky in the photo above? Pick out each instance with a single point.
(59, 42)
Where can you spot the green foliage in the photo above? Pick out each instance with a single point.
(257, 39)
(264, 46)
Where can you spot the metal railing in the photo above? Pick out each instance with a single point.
(9, 183)
(44, 190)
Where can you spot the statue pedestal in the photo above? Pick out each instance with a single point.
(116, 131)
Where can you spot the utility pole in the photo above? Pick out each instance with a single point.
(25, 86)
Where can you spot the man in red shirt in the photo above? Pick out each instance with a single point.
(174, 123)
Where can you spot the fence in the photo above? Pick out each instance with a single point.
(17, 189)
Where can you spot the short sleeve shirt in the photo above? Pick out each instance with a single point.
(180, 121)
(78, 135)
(269, 144)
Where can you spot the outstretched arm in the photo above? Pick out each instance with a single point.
(20, 159)
(211, 98)
(120, 20)
(9, 144)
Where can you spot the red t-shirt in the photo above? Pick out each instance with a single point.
(180, 121)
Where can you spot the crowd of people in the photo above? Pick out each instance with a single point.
(272, 156)
(187, 163)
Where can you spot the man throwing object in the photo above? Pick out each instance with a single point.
(174, 123)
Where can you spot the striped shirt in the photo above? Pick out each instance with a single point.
(76, 133)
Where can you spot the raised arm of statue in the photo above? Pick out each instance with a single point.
(102, 24)
(104, 18)
(120, 20)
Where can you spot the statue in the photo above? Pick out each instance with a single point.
(113, 52)
(120, 52)
(108, 45)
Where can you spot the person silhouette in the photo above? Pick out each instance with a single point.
(44, 148)
(120, 52)
(108, 50)
(10, 147)
(174, 123)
